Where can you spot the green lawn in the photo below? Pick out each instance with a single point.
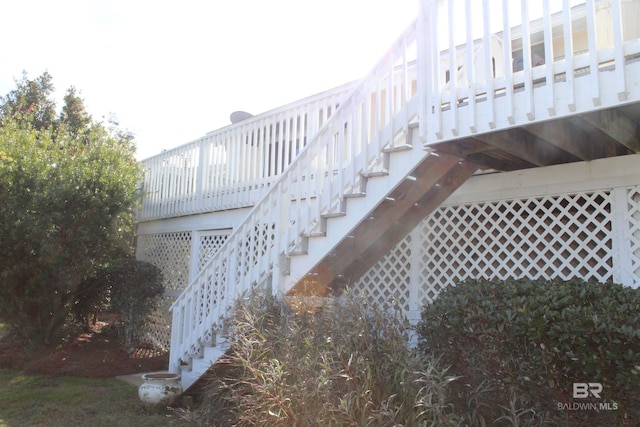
(33, 400)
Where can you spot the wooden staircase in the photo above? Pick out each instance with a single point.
(355, 190)
(367, 223)
(396, 148)
(416, 194)
(350, 243)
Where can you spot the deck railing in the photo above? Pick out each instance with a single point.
(349, 146)
(233, 166)
(516, 47)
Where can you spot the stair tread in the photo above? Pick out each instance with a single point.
(315, 234)
(297, 253)
(398, 148)
(355, 194)
(333, 214)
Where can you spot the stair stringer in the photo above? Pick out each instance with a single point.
(356, 210)
(415, 184)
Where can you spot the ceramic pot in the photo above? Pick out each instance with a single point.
(160, 389)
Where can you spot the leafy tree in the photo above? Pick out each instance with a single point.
(31, 98)
(66, 207)
(74, 116)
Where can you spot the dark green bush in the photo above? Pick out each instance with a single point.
(347, 364)
(136, 288)
(128, 288)
(525, 343)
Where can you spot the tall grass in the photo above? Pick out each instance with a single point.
(346, 364)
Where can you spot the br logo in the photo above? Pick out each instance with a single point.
(584, 390)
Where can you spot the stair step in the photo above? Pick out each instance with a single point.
(186, 367)
(355, 194)
(336, 214)
(200, 365)
(335, 211)
(316, 234)
(378, 173)
(398, 148)
(298, 253)
(302, 248)
(214, 353)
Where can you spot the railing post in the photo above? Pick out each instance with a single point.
(593, 48)
(421, 64)
(548, 58)
(621, 242)
(618, 45)
(489, 54)
(176, 330)
(201, 173)
(281, 232)
(429, 70)
(508, 60)
(526, 59)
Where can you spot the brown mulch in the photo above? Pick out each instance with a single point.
(96, 353)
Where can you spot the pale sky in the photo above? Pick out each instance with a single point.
(172, 71)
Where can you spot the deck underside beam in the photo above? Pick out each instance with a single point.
(584, 137)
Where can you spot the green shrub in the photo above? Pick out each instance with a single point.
(135, 291)
(126, 287)
(526, 342)
(347, 364)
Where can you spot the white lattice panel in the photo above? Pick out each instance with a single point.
(158, 328)
(208, 244)
(217, 286)
(563, 236)
(388, 282)
(633, 218)
(171, 253)
(250, 250)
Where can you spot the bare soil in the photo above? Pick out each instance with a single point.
(96, 353)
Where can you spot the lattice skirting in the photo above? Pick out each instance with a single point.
(208, 244)
(158, 327)
(590, 235)
(170, 252)
(632, 232)
(180, 256)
